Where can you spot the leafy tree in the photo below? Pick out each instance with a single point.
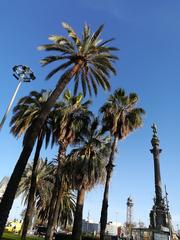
(88, 163)
(26, 111)
(86, 59)
(120, 118)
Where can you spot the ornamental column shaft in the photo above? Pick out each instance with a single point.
(159, 212)
(157, 174)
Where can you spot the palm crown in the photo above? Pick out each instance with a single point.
(69, 118)
(120, 116)
(88, 161)
(93, 55)
(26, 111)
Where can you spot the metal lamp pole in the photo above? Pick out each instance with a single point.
(23, 74)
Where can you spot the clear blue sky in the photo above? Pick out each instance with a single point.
(148, 34)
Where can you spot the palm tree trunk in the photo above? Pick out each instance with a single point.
(53, 215)
(77, 226)
(104, 210)
(32, 190)
(9, 194)
(51, 221)
(57, 207)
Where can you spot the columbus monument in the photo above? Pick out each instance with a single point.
(160, 218)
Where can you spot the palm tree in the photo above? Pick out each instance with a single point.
(69, 120)
(87, 167)
(66, 208)
(120, 118)
(86, 59)
(45, 177)
(89, 58)
(66, 203)
(44, 183)
(26, 111)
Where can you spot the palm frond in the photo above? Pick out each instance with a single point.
(71, 33)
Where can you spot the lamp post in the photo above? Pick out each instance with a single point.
(23, 74)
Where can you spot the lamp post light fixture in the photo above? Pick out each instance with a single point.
(23, 74)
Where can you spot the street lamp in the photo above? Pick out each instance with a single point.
(23, 74)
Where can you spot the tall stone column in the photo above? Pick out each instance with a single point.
(158, 215)
(157, 174)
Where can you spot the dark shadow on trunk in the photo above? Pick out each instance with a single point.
(32, 190)
(104, 210)
(9, 195)
(77, 226)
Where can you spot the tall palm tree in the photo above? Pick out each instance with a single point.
(120, 118)
(69, 120)
(86, 59)
(87, 168)
(25, 112)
